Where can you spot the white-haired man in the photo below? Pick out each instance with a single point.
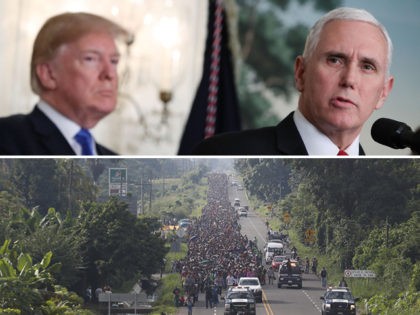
(343, 76)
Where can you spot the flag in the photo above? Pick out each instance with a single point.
(225, 101)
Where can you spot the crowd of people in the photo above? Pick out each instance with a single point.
(218, 254)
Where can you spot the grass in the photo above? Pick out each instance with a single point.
(165, 302)
(177, 198)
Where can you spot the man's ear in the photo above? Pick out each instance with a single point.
(46, 76)
(389, 83)
(299, 73)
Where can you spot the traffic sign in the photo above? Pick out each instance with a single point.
(286, 217)
(310, 232)
(349, 273)
(118, 182)
(310, 236)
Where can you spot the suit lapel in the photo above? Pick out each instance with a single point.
(289, 141)
(49, 135)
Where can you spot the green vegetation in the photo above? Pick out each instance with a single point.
(182, 199)
(62, 232)
(29, 288)
(364, 215)
(165, 301)
(59, 224)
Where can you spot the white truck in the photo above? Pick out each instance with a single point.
(272, 249)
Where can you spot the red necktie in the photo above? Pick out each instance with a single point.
(342, 152)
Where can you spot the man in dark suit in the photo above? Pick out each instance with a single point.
(74, 72)
(342, 76)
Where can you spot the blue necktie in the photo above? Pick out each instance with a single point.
(84, 138)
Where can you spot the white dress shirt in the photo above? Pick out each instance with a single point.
(67, 127)
(316, 142)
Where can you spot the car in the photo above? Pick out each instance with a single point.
(272, 249)
(274, 235)
(254, 285)
(290, 274)
(242, 212)
(338, 301)
(239, 300)
(240, 187)
(277, 261)
(185, 220)
(184, 223)
(236, 202)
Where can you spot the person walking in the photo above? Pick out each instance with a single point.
(190, 304)
(215, 295)
(176, 293)
(342, 283)
(314, 265)
(324, 277)
(307, 264)
(270, 274)
(209, 296)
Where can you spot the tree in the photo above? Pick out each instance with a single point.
(51, 233)
(30, 287)
(117, 246)
(269, 180)
(47, 183)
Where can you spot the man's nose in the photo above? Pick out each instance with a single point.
(109, 70)
(350, 75)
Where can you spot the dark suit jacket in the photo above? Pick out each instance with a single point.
(35, 134)
(283, 139)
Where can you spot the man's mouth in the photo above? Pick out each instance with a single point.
(107, 93)
(343, 102)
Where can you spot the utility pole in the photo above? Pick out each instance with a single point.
(163, 185)
(149, 184)
(150, 195)
(141, 195)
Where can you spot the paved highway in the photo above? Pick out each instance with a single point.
(284, 301)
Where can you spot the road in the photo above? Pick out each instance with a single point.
(284, 301)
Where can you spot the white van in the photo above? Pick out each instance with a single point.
(272, 249)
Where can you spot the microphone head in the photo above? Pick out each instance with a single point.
(391, 133)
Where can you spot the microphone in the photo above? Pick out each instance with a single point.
(395, 134)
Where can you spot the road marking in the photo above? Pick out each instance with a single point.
(267, 306)
(259, 234)
(312, 301)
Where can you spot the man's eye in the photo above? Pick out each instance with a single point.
(90, 58)
(334, 60)
(368, 67)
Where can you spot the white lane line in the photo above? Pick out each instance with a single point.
(312, 301)
(262, 239)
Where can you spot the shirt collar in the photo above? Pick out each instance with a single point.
(67, 127)
(316, 142)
